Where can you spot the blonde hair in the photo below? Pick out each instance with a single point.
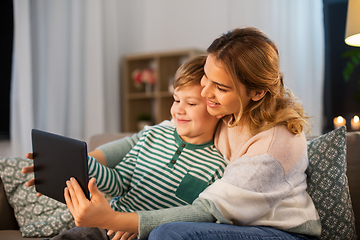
(190, 73)
(252, 59)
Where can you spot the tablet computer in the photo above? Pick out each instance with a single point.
(56, 160)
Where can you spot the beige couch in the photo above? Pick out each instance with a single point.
(9, 227)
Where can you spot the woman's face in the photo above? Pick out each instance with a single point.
(219, 90)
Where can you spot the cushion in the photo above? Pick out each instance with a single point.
(328, 185)
(36, 216)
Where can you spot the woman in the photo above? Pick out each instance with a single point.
(263, 190)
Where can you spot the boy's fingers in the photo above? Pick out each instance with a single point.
(134, 236)
(29, 169)
(29, 156)
(30, 183)
(118, 235)
(127, 236)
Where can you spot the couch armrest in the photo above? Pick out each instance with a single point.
(353, 170)
(7, 218)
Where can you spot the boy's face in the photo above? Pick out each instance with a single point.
(189, 111)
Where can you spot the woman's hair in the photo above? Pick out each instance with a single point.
(251, 58)
(190, 73)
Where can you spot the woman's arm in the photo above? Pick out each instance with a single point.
(201, 210)
(97, 212)
(115, 151)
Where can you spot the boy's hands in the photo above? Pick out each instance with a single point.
(30, 169)
(122, 235)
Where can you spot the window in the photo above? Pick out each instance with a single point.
(6, 45)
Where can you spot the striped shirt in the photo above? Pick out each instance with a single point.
(161, 171)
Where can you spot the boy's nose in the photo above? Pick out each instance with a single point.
(180, 109)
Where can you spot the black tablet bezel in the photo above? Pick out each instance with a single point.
(56, 159)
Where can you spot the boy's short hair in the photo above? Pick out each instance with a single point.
(190, 73)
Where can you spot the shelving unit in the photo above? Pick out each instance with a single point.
(158, 101)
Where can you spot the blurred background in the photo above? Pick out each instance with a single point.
(62, 60)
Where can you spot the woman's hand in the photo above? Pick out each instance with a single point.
(30, 169)
(94, 213)
(122, 235)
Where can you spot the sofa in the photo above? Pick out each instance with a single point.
(9, 228)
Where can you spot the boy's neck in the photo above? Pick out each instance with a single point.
(195, 140)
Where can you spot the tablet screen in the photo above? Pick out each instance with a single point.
(56, 160)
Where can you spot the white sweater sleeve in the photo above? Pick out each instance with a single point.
(249, 188)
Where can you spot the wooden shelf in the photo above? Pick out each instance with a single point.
(158, 101)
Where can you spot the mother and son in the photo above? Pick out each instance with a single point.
(231, 164)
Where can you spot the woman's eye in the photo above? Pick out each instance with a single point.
(192, 104)
(221, 89)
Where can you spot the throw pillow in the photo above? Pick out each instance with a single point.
(328, 185)
(36, 216)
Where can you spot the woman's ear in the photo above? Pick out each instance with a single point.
(257, 95)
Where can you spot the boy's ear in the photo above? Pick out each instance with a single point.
(257, 95)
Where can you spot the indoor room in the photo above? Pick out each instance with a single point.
(97, 71)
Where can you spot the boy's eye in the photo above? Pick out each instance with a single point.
(176, 99)
(192, 104)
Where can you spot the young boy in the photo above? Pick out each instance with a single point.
(169, 166)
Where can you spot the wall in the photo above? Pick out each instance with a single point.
(159, 25)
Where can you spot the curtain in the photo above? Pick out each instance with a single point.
(66, 54)
(59, 81)
(297, 28)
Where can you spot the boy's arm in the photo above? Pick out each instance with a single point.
(110, 180)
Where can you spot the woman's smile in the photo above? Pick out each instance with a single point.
(212, 104)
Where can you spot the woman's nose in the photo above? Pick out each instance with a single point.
(205, 84)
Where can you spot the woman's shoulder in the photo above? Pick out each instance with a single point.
(283, 137)
(287, 148)
(279, 135)
(278, 142)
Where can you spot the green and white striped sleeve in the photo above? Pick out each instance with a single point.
(111, 181)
